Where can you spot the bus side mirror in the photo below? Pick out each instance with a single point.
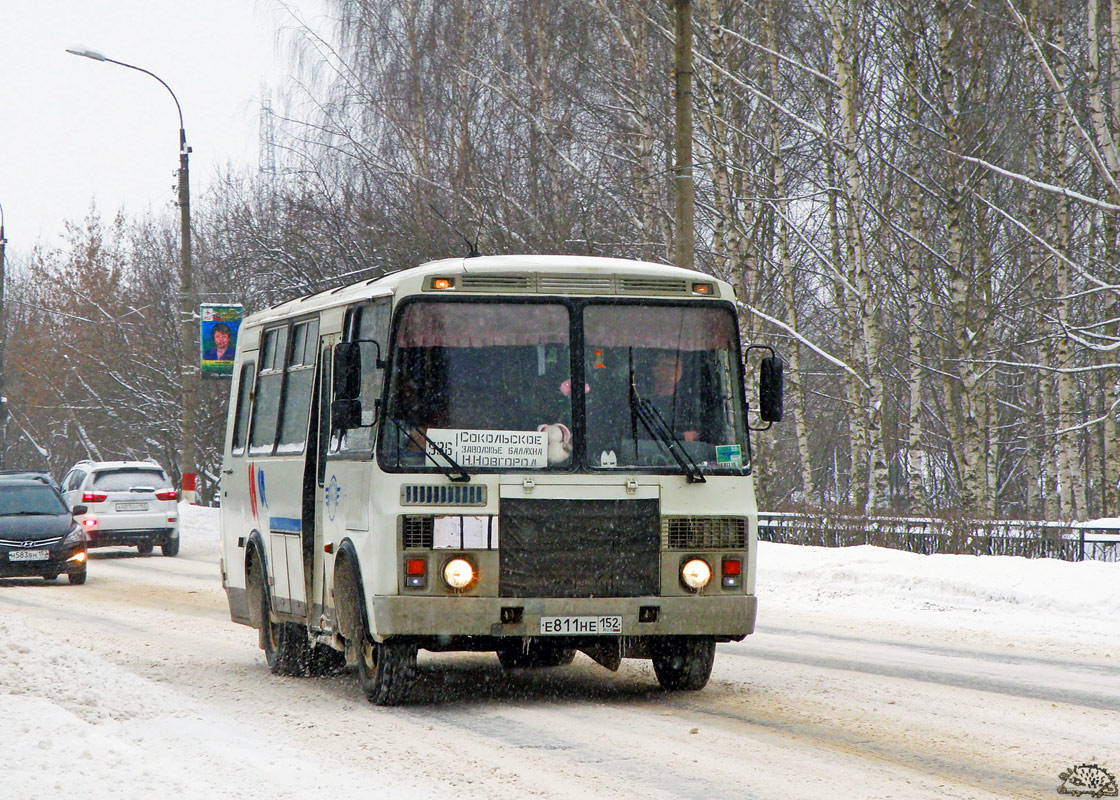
(770, 388)
(346, 414)
(346, 384)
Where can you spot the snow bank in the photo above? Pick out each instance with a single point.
(1007, 595)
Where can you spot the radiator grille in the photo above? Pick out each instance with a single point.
(443, 495)
(704, 533)
(416, 532)
(579, 548)
(35, 543)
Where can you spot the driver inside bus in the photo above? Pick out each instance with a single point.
(669, 396)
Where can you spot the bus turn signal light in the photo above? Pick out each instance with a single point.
(415, 573)
(732, 573)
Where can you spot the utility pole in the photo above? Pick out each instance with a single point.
(3, 340)
(684, 210)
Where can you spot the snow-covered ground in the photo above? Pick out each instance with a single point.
(77, 718)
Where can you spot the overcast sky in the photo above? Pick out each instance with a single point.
(74, 131)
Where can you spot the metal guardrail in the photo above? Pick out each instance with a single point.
(1027, 538)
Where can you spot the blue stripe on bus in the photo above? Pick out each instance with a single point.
(284, 525)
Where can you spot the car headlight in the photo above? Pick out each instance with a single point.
(696, 573)
(76, 536)
(458, 573)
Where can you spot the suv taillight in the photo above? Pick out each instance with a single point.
(166, 494)
(94, 497)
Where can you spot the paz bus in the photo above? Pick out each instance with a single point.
(529, 455)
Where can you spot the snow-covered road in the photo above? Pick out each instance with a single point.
(874, 674)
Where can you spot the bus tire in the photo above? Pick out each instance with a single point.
(386, 670)
(515, 654)
(285, 644)
(684, 662)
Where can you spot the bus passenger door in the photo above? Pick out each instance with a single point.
(319, 494)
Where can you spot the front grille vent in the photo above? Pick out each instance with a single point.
(636, 285)
(548, 283)
(443, 495)
(30, 544)
(485, 282)
(704, 533)
(416, 532)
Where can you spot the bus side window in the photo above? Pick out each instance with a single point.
(241, 418)
(300, 373)
(266, 398)
(367, 324)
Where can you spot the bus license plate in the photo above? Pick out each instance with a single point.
(132, 506)
(581, 626)
(29, 555)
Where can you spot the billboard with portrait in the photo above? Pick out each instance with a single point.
(218, 341)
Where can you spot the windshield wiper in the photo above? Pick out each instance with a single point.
(652, 420)
(454, 472)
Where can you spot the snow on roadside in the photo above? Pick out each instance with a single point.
(72, 719)
(1004, 596)
(74, 722)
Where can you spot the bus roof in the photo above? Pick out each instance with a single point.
(522, 274)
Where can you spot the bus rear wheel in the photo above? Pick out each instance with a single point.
(684, 662)
(386, 670)
(285, 644)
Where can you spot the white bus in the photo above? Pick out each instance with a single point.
(530, 455)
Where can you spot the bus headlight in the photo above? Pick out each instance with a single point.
(458, 573)
(696, 573)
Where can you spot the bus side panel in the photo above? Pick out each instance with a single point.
(236, 513)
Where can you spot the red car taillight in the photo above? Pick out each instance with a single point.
(167, 494)
(94, 497)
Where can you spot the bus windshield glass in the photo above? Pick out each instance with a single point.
(480, 385)
(664, 388)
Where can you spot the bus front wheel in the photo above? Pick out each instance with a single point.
(386, 670)
(684, 662)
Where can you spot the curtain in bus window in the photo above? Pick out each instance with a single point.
(482, 325)
(663, 327)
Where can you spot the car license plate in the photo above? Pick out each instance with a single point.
(132, 506)
(29, 555)
(581, 626)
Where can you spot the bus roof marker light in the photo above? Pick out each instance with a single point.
(701, 288)
(443, 283)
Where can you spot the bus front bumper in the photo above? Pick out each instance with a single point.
(730, 617)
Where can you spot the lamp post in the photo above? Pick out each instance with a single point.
(188, 367)
(3, 339)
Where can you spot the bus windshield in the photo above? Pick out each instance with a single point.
(486, 383)
(663, 383)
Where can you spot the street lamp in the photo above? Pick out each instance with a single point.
(188, 367)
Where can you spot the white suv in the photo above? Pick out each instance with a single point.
(127, 503)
